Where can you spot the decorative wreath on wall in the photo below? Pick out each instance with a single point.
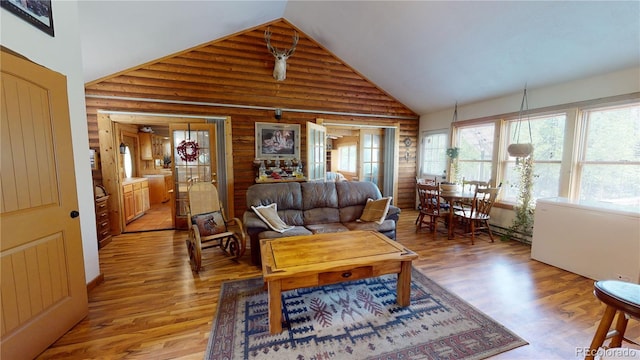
(188, 150)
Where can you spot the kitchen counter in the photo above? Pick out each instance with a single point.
(135, 194)
(129, 181)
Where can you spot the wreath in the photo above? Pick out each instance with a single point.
(188, 150)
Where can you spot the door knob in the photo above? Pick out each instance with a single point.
(74, 214)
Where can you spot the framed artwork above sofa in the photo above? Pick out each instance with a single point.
(277, 141)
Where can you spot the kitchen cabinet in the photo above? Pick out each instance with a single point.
(159, 186)
(135, 198)
(146, 149)
(151, 146)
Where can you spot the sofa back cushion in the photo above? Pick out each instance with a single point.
(352, 197)
(287, 196)
(320, 203)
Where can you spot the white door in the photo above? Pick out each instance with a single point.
(43, 285)
(316, 152)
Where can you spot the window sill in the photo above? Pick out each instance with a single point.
(502, 205)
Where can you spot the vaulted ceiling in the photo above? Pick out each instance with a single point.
(426, 54)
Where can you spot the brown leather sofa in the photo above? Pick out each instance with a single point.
(314, 207)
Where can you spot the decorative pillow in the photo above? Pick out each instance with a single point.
(269, 214)
(376, 210)
(209, 223)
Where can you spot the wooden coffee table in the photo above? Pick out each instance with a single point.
(315, 260)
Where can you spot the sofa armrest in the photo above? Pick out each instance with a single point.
(252, 221)
(393, 213)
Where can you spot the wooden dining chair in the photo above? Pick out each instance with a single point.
(429, 181)
(430, 207)
(470, 186)
(477, 216)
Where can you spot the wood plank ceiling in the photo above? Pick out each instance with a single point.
(233, 77)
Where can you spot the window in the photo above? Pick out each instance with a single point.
(476, 151)
(547, 134)
(348, 156)
(609, 164)
(434, 158)
(128, 162)
(588, 151)
(371, 157)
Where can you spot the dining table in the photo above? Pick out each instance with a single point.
(451, 197)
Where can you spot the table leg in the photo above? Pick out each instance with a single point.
(450, 220)
(275, 307)
(403, 288)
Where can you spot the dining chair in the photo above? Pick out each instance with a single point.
(470, 186)
(477, 216)
(429, 181)
(430, 207)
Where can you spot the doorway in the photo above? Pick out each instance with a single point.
(368, 152)
(155, 165)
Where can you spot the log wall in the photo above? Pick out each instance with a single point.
(233, 77)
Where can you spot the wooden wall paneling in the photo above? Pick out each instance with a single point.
(232, 77)
(109, 168)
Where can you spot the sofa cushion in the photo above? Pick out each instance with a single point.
(327, 228)
(352, 197)
(375, 210)
(319, 203)
(297, 230)
(287, 196)
(386, 226)
(269, 214)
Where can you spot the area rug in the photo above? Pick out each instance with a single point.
(354, 320)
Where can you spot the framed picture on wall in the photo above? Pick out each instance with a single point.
(277, 141)
(36, 12)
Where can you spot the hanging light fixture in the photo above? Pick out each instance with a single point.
(521, 149)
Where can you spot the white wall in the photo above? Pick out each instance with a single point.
(611, 84)
(62, 54)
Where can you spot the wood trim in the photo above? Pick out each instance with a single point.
(95, 282)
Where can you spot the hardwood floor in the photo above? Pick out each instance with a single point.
(158, 217)
(151, 306)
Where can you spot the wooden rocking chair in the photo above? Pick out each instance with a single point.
(210, 227)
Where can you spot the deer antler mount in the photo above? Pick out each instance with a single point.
(281, 56)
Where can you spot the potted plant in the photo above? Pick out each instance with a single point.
(452, 154)
(523, 221)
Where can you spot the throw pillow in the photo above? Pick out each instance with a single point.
(209, 223)
(269, 214)
(376, 210)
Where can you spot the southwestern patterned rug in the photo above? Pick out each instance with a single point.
(355, 320)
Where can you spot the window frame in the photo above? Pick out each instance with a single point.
(582, 144)
(573, 141)
(455, 141)
(507, 162)
(425, 134)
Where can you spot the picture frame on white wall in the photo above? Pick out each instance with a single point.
(36, 12)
